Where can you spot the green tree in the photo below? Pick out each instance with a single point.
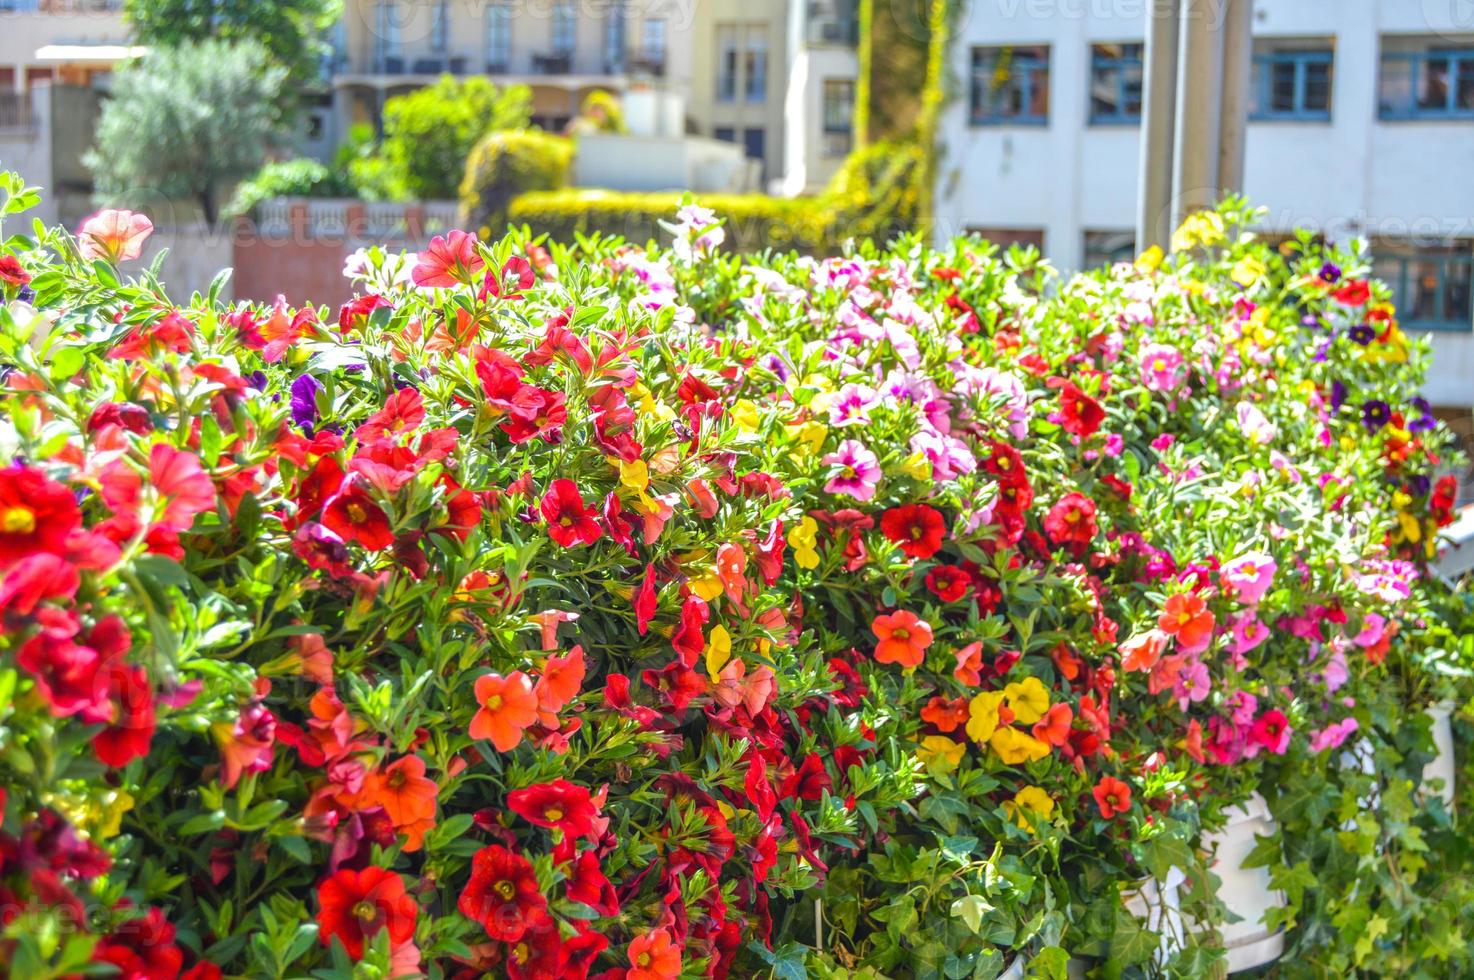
(185, 124)
(291, 31)
(429, 133)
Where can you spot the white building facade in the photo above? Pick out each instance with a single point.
(1361, 124)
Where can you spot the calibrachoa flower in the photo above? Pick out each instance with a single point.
(1112, 796)
(508, 707)
(917, 528)
(903, 636)
(356, 905)
(1249, 576)
(856, 471)
(113, 236)
(502, 894)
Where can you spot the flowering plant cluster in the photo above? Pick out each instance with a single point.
(644, 613)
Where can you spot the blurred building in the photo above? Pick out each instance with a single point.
(1361, 124)
(775, 77)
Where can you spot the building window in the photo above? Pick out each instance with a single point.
(839, 114)
(1430, 283)
(727, 63)
(440, 27)
(386, 38)
(564, 26)
(1004, 238)
(499, 36)
(725, 133)
(614, 39)
(1291, 83)
(1426, 83)
(1105, 248)
(652, 41)
(755, 64)
(755, 142)
(1010, 85)
(1115, 83)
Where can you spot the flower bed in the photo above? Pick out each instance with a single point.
(634, 613)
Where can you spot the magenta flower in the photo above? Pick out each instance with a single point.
(1250, 576)
(1248, 633)
(1193, 684)
(852, 406)
(858, 470)
(1162, 368)
(1333, 736)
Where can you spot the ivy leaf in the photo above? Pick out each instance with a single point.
(971, 909)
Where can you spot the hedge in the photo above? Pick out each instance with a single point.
(650, 613)
(506, 163)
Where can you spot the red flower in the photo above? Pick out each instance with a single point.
(1071, 521)
(1079, 414)
(917, 528)
(1112, 796)
(807, 782)
(588, 884)
(355, 905)
(1186, 616)
(516, 276)
(352, 515)
(1005, 463)
(131, 722)
(502, 894)
(142, 949)
(1355, 292)
(179, 479)
(449, 260)
(36, 514)
(645, 601)
(569, 523)
(34, 580)
(558, 805)
(11, 272)
(948, 582)
(654, 957)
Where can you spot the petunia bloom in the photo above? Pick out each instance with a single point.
(917, 528)
(1112, 796)
(1186, 617)
(558, 805)
(356, 905)
(1249, 576)
(570, 523)
(508, 706)
(448, 261)
(857, 471)
(653, 956)
(903, 638)
(502, 894)
(113, 236)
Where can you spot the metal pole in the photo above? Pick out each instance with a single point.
(1238, 65)
(1158, 109)
(1199, 109)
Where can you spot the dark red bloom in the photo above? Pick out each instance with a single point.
(36, 514)
(1079, 414)
(588, 884)
(948, 582)
(142, 949)
(569, 523)
(131, 723)
(645, 601)
(559, 805)
(502, 894)
(917, 528)
(69, 675)
(1005, 463)
(355, 905)
(352, 515)
(11, 272)
(807, 782)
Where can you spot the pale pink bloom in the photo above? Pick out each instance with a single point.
(1193, 684)
(858, 470)
(1250, 576)
(114, 236)
(735, 686)
(1255, 425)
(1162, 368)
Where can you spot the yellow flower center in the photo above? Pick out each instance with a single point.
(506, 889)
(356, 513)
(18, 520)
(366, 910)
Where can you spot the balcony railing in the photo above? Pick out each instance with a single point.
(399, 63)
(15, 112)
(61, 6)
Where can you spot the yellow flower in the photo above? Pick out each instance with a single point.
(809, 435)
(940, 753)
(1028, 699)
(645, 404)
(982, 715)
(1014, 747)
(917, 466)
(802, 538)
(1031, 801)
(635, 475)
(718, 651)
(1150, 260)
(745, 414)
(1412, 530)
(1247, 271)
(1200, 228)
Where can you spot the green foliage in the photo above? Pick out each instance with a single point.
(186, 123)
(298, 177)
(600, 113)
(507, 163)
(430, 133)
(291, 31)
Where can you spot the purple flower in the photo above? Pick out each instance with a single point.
(304, 402)
(1363, 334)
(1330, 272)
(1338, 395)
(1375, 414)
(1425, 419)
(257, 380)
(857, 470)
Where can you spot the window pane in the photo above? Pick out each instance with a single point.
(1464, 82)
(1010, 83)
(726, 63)
(1433, 82)
(1318, 86)
(756, 65)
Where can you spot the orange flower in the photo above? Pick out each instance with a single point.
(946, 715)
(969, 664)
(903, 638)
(1054, 727)
(1141, 652)
(654, 957)
(403, 790)
(561, 680)
(1186, 617)
(1112, 796)
(508, 705)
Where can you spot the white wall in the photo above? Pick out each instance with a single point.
(658, 163)
(28, 153)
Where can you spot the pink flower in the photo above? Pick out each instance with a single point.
(1250, 576)
(113, 236)
(1255, 425)
(1333, 736)
(1272, 731)
(1193, 684)
(1373, 628)
(852, 406)
(1162, 368)
(1248, 633)
(858, 470)
(449, 261)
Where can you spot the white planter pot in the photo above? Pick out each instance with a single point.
(1015, 970)
(1246, 892)
(1159, 907)
(1442, 766)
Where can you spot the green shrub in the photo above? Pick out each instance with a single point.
(600, 113)
(507, 163)
(300, 177)
(429, 133)
(876, 193)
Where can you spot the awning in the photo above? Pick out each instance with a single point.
(104, 55)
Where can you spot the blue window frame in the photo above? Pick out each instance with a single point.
(1292, 84)
(1115, 84)
(1434, 84)
(1431, 285)
(1010, 86)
